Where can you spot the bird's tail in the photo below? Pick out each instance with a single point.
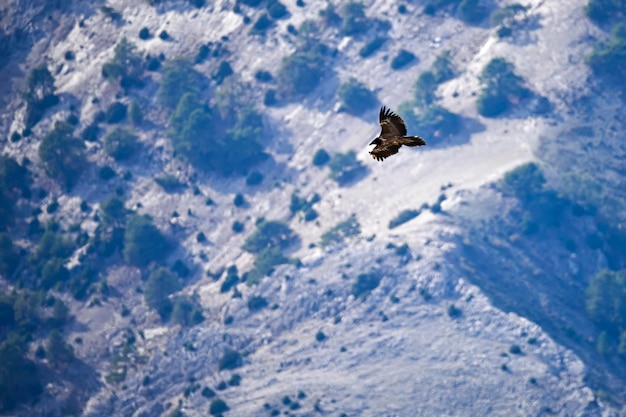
(413, 141)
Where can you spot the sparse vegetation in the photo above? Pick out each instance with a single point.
(264, 264)
(341, 231)
(345, 168)
(270, 234)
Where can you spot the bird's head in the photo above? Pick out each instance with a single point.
(376, 141)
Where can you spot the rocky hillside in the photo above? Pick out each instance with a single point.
(192, 224)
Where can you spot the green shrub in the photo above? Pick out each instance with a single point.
(341, 231)
(207, 392)
(264, 264)
(256, 303)
(223, 70)
(270, 234)
(356, 97)
(425, 88)
(515, 350)
(125, 67)
(255, 178)
(179, 78)
(402, 59)
(169, 183)
(160, 285)
(239, 200)
(525, 181)
(371, 47)
(121, 143)
(601, 11)
(90, 133)
(276, 9)
(605, 301)
(106, 173)
(116, 113)
(433, 121)
(238, 227)
(111, 13)
(39, 95)
(230, 359)
(54, 273)
(218, 407)
(14, 178)
(186, 312)
(8, 256)
(454, 311)
(231, 280)
(263, 76)
(62, 155)
(503, 15)
(233, 151)
(354, 21)
(143, 242)
(320, 337)
(470, 11)
(135, 114)
(365, 284)
(113, 212)
(144, 34)
(57, 351)
(321, 158)
(197, 3)
(301, 72)
(345, 168)
(163, 35)
(500, 86)
(39, 84)
(609, 60)
(329, 16)
(403, 217)
(262, 24)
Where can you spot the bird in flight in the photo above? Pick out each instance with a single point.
(392, 135)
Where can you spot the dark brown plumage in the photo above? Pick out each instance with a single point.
(392, 135)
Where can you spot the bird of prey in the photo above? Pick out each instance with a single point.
(392, 135)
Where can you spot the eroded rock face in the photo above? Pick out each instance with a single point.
(426, 333)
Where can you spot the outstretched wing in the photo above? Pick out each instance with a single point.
(391, 124)
(389, 147)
